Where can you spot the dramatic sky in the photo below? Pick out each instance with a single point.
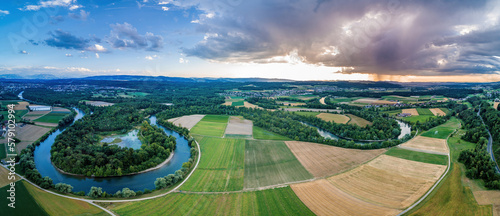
(410, 40)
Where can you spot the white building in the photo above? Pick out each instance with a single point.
(39, 108)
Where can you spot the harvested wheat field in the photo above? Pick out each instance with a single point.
(388, 181)
(249, 105)
(495, 105)
(489, 198)
(427, 144)
(227, 103)
(337, 118)
(437, 112)
(31, 132)
(240, 126)
(323, 160)
(21, 105)
(413, 112)
(325, 199)
(187, 121)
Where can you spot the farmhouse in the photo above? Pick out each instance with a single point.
(404, 114)
(39, 108)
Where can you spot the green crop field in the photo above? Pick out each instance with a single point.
(25, 203)
(270, 163)
(303, 113)
(215, 118)
(279, 201)
(238, 103)
(445, 110)
(221, 166)
(392, 112)
(18, 114)
(424, 111)
(56, 205)
(442, 131)
(418, 156)
(259, 133)
(419, 118)
(211, 125)
(52, 117)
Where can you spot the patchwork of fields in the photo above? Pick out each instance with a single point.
(323, 160)
(187, 121)
(383, 186)
(279, 201)
(334, 181)
(220, 168)
(211, 125)
(271, 163)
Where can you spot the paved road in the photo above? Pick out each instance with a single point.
(490, 143)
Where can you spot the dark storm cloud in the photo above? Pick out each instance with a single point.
(126, 36)
(373, 36)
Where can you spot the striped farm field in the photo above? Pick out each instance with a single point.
(325, 199)
(221, 167)
(437, 112)
(383, 186)
(271, 163)
(337, 118)
(355, 120)
(187, 121)
(279, 201)
(413, 112)
(324, 160)
(389, 181)
(427, 144)
(418, 156)
(424, 111)
(211, 125)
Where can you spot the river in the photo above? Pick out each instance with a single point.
(111, 184)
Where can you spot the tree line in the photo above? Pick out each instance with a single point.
(78, 149)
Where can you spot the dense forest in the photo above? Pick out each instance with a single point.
(263, 102)
(382, 128)
(478, 161)
(77, 150)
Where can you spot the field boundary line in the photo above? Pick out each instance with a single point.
(437, 182)
(421, 150)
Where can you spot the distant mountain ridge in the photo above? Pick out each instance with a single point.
(181, 79)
